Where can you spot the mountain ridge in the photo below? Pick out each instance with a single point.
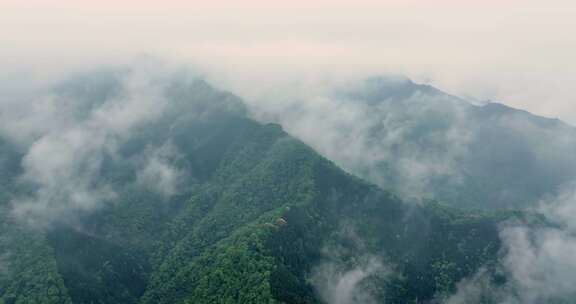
(419, 142)
(239, 212)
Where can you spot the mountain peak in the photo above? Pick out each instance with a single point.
(376, 89)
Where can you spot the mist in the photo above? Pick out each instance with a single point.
(67, 131)
(106, 105)
(349, 274)
(521, 57)
(417, 140)
(364, 124)
(68, 134)
(541, 260)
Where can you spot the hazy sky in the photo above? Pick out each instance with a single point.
(521, 53)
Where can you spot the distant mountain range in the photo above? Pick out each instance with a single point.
(131, 188)
(423, 143)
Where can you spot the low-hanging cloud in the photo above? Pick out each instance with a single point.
(538, 261)
(417, 141)
(346, 274)
(338, 285)
(158, 172)
(373, 132)
(65, 141)
(370, 127)
(542, 260)
(66, 136)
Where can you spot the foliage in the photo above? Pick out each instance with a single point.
(256, 211)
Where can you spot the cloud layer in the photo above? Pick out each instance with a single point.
(516, 52)
(68, 133)
(537, 259)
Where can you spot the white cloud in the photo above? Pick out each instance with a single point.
(542, 260)
(67, 138)
(344, 286)
(516, 52)
(538, 260)
(362, 136)
(158, 172)
(345, 275)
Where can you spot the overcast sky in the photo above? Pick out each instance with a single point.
(521, 53)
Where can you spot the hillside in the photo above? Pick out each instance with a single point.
(194, 202)
(422, 143)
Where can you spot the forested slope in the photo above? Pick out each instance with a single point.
(244, 213)
(422, 143)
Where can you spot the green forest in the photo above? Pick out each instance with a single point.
(255, 216)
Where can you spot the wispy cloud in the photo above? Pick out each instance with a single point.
(67, 136)
(345, 274)
(537, 260)
(541, 260)
(375, 128)
(158, 172)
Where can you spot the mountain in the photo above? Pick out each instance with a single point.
(424, 144)
(160, 189)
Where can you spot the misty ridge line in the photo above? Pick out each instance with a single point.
(66, 144)
(77, 138)
(340, 125)
(411, 138)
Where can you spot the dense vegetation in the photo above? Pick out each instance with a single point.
(256, 215)
(422, 143)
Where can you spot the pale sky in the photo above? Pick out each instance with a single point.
(521, 53)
